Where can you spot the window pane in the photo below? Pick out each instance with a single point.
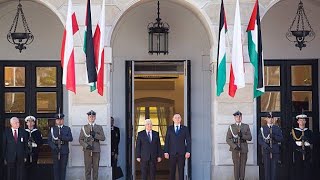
(46, 102)
(46, 76)
(44, 124)
(301, 75)
(270, 101)
(14, 102)
(301, 100)
(272, 75)
(14, 76)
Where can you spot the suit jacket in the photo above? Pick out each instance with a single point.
(66, 137)
(147, 150)
(177, 144)
(276, 138)
(13, 150)
(115, 139)
(246, 136)
(94, 142)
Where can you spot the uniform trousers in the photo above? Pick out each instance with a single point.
(239, 164)
(175, 160)
(91, 164)
(270, 166)
(31, 168)
(60, 166)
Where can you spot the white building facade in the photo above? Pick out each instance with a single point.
(193, 39)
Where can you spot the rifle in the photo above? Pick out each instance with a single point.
(303, 147)
(239, 139)
(91, 140)
(59, 143)
(270, 141)
(30, 142)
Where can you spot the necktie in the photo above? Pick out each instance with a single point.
(149, 136)
(177, 129)
(15, 135)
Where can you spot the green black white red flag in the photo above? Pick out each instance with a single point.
(222, 56)
(255, 51)
(89, 50)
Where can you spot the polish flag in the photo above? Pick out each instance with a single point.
(98, 41)
(67, 50)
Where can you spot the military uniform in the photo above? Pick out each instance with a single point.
(269, 137)
(90, 137)
(237, 137)
(59, 144)
(115, 139)
(301, 142)
(34, 142)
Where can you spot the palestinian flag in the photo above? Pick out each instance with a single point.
(222, 57)
(98, 41)
(255, 51)
(67, 50)
(89, 50)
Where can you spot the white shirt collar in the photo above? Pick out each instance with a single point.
(60, 126)
(300, 129)
(238, 124)
(15, 129)
(175, 126)
(269, 125)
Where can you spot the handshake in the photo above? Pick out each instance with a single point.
(89, 147)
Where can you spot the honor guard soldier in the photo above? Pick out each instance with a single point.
(302, 140)
(269, 137)
(90, 136)
(58, 140)
(237, 136)
(34, 142)
(115, 139)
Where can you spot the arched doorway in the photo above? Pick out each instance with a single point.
(291, 78)
(189, 39)
(31, 81)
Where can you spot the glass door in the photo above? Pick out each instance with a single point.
(291, 88)
(32, 88)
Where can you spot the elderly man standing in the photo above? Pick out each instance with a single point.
(237, 136)
(177, 147)
(15, 150)
(58, 140)
(34, 142)
(90, 136)
(148, 150)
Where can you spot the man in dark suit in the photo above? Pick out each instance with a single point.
(177, 147)
(58, 140)
(115, 139)
(148, 150)
(34, 143)
(269, 137)
(15, 150)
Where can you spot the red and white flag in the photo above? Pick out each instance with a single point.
(237, 69)
(98, 42)
(67, 50)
